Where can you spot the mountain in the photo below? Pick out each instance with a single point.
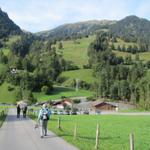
(131, 28)
(7, 26)
(79, 29)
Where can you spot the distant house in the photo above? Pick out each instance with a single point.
(61, 104)
(96, 107)
(106, 106)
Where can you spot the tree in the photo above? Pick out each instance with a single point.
(137, 57)
(19, 95)
(60, 45)
(31, 98)
(114, 91)
(21, 46)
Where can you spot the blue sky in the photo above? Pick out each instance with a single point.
(38, 15)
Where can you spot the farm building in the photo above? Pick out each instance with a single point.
(105, 106)
(61, 104)
(98, 106)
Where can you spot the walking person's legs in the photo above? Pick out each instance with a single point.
(18, 114)
(41, 128)
(45, 127)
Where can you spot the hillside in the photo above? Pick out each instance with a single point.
(7, 26)
(79, 29)
(43, 65)
(131, 28)
(76, 50)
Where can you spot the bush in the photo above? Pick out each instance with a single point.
(31, 98)
(86, 66)
(61, 79)
(45, 89)
(91, 99)
(10, 88)
(76, 101)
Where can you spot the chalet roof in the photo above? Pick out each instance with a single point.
(61, 101)
(83, 105)
(100, 102)
(94, 104)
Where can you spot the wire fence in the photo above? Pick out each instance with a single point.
(79, 130)
(3, 113)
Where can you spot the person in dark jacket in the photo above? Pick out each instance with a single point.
(24, 111)
(18, 111)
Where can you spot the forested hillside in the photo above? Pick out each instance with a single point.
(75, 30)
(7, 26)
(109, 58)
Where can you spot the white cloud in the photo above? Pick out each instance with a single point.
(36, 15)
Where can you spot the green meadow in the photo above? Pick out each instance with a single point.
(114, 131)
(5, 95)
(62, 92)
(81, 74)
(77, 51)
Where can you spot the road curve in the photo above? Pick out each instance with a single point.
(19, 134)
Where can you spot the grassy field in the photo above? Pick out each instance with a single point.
(2, 68)
(81, 74)
(62, 91)
(77, 52)
(114, 131)
(123, 43)
(5, 95)
(9, 96)
(143, 56)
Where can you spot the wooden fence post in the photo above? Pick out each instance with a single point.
(97, 137)
(58, 125)
(2, 113)
(75, 131)
(131, 141)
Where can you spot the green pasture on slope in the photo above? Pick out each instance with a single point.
(81, 74)
(114, 131)
(62, 91)
(77, 52)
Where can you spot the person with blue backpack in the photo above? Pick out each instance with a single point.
(43, 117)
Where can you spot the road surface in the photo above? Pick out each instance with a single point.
(19, 134)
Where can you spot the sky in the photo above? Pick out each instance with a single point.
(40, 15)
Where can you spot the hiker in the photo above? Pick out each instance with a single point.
(18, 110)
(24, 110)
(43, 117)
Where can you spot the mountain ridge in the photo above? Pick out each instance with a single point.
(7, 26)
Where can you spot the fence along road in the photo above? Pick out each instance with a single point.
(19, 134)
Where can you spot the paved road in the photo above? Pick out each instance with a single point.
(19, 134)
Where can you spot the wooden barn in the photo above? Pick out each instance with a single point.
(106, 106)
(62, 103)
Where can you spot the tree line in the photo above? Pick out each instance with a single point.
(114, 78)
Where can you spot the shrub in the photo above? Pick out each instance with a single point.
(45, 89)
(10, 88)
(76, 101)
